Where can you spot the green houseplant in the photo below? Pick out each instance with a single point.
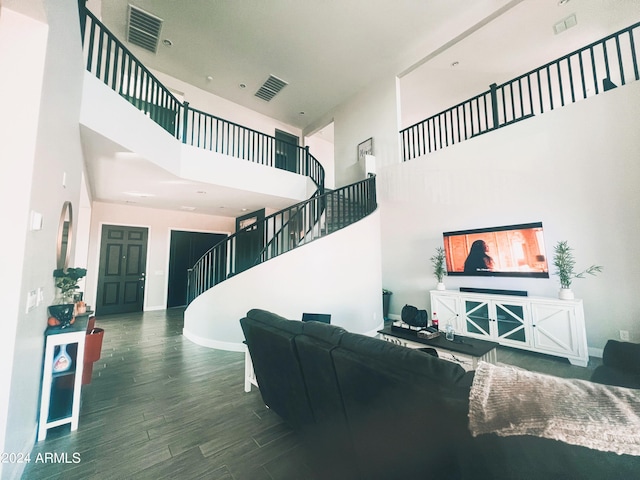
(439, 268)
(63, 310)
(67, 282)
(564, 261)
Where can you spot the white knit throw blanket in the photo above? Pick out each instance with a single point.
(510, 401)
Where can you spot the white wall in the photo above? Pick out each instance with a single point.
(373, 113)
(20, 93)
(40, 105)
(105, 112)
(160, 223)
(575, 169)
(322, 150)
(338, 274)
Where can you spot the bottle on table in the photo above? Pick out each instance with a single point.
(434, 321)
(450, 334)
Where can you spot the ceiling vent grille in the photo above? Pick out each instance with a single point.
(143, 29)
(270, 88)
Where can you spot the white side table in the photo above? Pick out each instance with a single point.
(60, 397)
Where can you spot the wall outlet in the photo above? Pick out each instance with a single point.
(624, 335)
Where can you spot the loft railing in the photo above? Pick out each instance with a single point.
(112, 62)
(600, 66)
(283, 231)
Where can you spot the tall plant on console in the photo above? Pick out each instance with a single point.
(565, 263)
(439, 269)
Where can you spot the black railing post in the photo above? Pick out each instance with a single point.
(493, 89)
(185, 120)
(82, 7)
(189, 294)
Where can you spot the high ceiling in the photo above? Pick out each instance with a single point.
(329, 50)
(326, 50)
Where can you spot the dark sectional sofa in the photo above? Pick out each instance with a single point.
(368, 409)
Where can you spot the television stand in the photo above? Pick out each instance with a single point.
(538, 324)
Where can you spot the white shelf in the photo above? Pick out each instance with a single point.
(60, 404)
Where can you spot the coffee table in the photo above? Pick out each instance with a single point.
(465, 351)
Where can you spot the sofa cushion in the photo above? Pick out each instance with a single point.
(331, 439)
(270, 340)
(405, 409)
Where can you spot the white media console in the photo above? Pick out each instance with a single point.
(545, 325)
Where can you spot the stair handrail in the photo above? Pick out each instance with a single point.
(557, 83)
(113, 63)
(219, 263)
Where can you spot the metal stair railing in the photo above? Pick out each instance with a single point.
(114, 64)
(604, 64)
(286, 230)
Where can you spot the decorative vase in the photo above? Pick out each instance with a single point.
(62, 361)
(63, 313)
(440, 286)
(565, 294)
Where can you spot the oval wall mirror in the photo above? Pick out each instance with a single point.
(65, 235)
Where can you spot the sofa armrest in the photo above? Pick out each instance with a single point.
(623, 356)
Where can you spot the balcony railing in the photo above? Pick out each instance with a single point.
(600, 66)
(112, 62)
(283, 231)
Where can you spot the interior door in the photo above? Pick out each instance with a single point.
(121, 274)
(185, 250)
(249, 240)
(286, 151)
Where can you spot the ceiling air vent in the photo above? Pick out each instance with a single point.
(143, 29)
(270, 88)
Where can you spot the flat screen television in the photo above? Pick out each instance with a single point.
(508, 251)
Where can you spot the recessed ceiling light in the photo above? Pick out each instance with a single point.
(140, 195)
(301, 113)
(242, 85)
(563, 2)
(245, 209)
(209, 78)
(167, 43)
(455, 64)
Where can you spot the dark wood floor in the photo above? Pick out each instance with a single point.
(161, 407)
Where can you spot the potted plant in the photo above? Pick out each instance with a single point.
(439, 269)
(67, 281)
(564, 262)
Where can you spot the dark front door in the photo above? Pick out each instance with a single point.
(286, 151)
(249, 239)
(121, 275)
(185, 250)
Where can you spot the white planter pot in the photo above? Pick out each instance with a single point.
(440, 286)
(565, 294)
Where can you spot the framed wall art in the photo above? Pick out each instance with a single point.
(365, 148)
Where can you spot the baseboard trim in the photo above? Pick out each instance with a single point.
(216, 344)
(156, 308)
(595, 352)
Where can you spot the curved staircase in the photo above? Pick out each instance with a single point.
(285, 231)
